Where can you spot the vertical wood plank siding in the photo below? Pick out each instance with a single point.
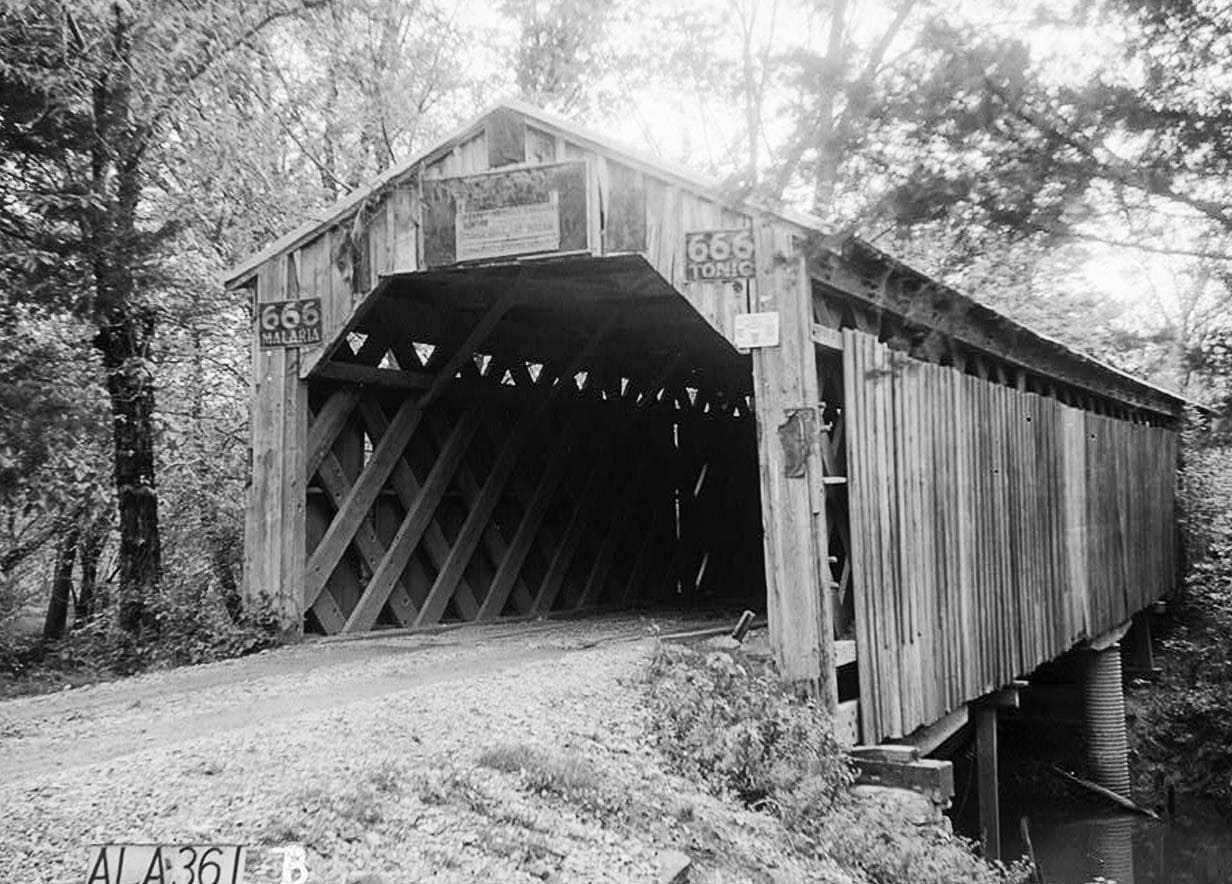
(991, 530)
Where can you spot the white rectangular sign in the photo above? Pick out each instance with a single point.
(755, 330)
(510, 230)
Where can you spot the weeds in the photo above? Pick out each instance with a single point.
(345, 810)
(737, 729)
(743, 732)
(190, 631)
(569, 776)
(1182, 731)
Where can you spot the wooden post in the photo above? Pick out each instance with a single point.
(792, 493)
(1140, 656)
(986, 770)
(275, 518)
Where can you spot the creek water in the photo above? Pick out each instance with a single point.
(1076, 845)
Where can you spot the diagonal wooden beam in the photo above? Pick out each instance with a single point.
(467, 348)
(359, 500)
(476, 520)
(494, 486)
(414, 523)
(367, 541)
(493, 538)
(578, 520)
(469, 488)
(408, 488)
(641, 560)
(532, 518)
(602, 566)
(326, 426)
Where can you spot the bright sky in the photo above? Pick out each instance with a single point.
(694, 124)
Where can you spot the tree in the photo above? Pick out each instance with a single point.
(88, 91)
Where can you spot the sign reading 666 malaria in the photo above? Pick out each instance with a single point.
(289, 323)
(716, 255)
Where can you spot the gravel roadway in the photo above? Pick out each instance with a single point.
(367, 753)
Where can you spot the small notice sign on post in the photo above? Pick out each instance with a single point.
(719, 255)
(289, 323)
(754, 330)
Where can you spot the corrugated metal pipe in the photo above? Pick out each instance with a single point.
(1107, 750)
(1112, 843)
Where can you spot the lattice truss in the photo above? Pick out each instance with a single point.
(461, 485)
(833, 445)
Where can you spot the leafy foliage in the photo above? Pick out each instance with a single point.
(192, 628)
(1183, 725)
(146, 146)
(738, 729)
(743, 732)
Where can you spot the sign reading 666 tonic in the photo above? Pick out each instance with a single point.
(289, 323)
(716, 255)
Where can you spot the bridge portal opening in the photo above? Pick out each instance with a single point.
(562, 435)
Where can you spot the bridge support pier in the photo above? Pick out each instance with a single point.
(984, 711)
(986, 770)
(1138, 656)
(1104, 710)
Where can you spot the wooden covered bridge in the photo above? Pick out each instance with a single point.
(531, 372)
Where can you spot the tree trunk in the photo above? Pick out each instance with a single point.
(90, 600)
(125, 327)
(131, 391)
(221, 558)
(61, 584)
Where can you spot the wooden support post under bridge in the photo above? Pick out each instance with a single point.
(986, 763)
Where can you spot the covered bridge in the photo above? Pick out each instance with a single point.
(529, 372)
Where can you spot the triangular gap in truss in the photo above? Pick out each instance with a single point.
(356, 340)
(423, 351)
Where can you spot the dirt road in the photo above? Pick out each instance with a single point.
(371, 754)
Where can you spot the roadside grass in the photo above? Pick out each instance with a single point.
(345, 811)
(571, 776)
(728, 723)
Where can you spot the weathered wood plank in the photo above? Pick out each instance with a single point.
(1004, 527)
(786, 396)
(476, 521)
(597, 480)
(336, 481)
(407, 486)
(354, 509)
(537, 508)
(326, 426)
(414, 523)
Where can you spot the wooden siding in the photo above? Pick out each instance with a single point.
(274, 513)
(991, 531)
(631, 210)
(795, 536)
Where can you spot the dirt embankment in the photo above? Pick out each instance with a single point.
(482, 754)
